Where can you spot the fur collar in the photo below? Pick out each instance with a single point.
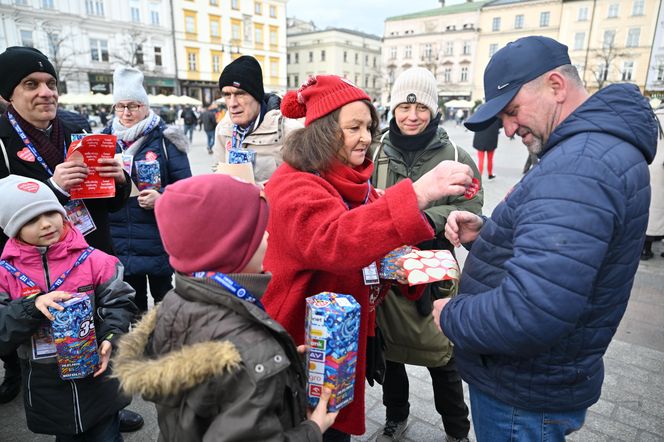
(176, 136)
(172, 373)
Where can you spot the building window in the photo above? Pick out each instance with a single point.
(322, 55)
(366, 60)
(408, 52)
(518, 21)
(20, 2)
(53, 43)
(98, 49)
(94, 7)
(366, 81)
(154, 17)
(236, 32)
(495, 24)
(274, 36)
(660, 72)
(139, 55)
(613, 10)
(135, 14)
(273, 11)
(493, 47)
(602, 72)
(215, 27)
(393, 53)
(258, 8)
(311, 56)
(26, 38)
(464, 74)
(447, 75)
(47, 4)
(579, 40)
(190, 25)
(637, 7)
(627, 70)
(274, 67)
(235, 4)
(296, 80)
(582, 15)
(192, 61)
(374, 61)
(157, 56)
(216, 61)
(466, 47)
(609, 38)
(428, 51)
(214, 2)
(544, 19)
(449, 48)
(346, 57)
(356, 81)
(258, 34)
(297, 58)
(633, 37)
(288, 60)
(357, 58)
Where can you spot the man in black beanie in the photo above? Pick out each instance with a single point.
(253, 130)
(33, 143)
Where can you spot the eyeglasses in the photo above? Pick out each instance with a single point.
(120, 108)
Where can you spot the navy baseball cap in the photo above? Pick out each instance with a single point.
(510, 68)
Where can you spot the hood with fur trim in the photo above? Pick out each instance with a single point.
(172, 373)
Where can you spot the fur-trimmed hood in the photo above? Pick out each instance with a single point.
(176, 136)
(172, 373)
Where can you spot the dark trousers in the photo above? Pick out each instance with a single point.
(447, 395)
(332, 435)
(11, 365)
(159, 286)
(108, 430)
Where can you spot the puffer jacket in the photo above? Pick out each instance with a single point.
(548, 279)
(267, 139)
(218, 368)
(134, 230)
(54, 406)
(410, 337)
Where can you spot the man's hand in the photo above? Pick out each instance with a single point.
(105, 350)
(147, 198)
(69, 174)
(446, 179)
(438, 306)
(462, 227)
(51, 299)
(111, 168)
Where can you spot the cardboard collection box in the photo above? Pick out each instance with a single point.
(331, 334)
(75, 339)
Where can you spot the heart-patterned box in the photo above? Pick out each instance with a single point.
(426, 266)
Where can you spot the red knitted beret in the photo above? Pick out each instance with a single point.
(320, 95)
(211, 222)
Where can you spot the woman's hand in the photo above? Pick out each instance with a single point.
(105, 350)
(147, 198)
(319, 415)
(446, 179)
(51, 299)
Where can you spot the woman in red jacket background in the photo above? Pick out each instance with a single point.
(327, 223)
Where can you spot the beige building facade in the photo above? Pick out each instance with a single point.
(209, 34)
(353, 55)
(443, 40)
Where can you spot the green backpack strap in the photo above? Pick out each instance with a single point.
(381, 165)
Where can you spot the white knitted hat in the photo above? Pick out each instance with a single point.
(23, 199)
(128, 85)
(415, 85)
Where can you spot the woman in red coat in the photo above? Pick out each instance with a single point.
(327, 223)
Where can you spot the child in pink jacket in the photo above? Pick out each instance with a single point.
(45, 261)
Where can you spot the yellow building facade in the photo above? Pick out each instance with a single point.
(209, 34)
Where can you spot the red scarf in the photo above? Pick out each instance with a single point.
(352, 182)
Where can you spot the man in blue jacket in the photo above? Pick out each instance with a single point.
(549, 275)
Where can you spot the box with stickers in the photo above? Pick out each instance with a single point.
(331, 335)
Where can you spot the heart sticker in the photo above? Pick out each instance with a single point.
(430, 262)
(26, 155)
(417, 277)
(437, 273)
(29, 186)
(150, 156)
(472, 190)
(410, 264)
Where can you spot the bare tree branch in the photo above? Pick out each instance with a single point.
(606, 56)
(131, 53)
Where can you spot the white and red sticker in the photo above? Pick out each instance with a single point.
(29, 186)
(472, 190)
(150, 156)
(26, 155)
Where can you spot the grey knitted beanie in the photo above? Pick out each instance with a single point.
(128, 85)
(415, 85)
(23, 199)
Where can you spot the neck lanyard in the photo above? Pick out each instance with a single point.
(29, 144)
(236, 141)
(236, 289)
(25, 279)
